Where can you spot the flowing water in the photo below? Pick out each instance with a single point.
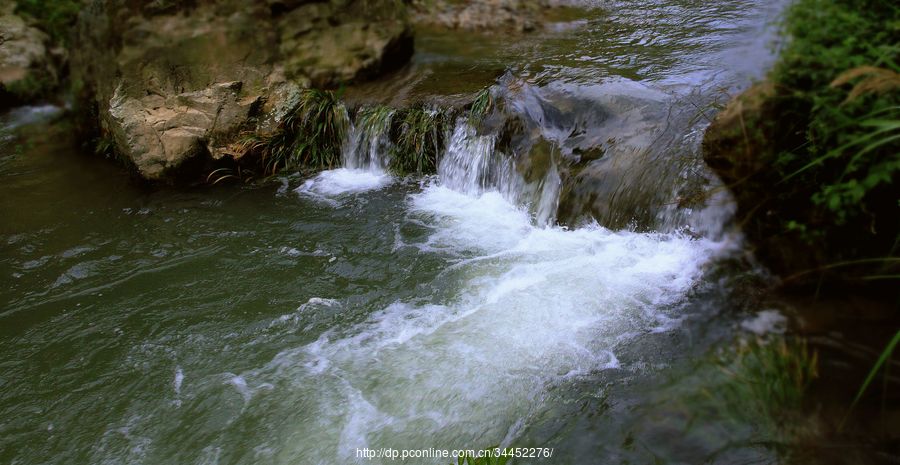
(296, 322)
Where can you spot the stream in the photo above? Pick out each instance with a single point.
(297, 321)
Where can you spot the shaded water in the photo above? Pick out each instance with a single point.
(298, 321)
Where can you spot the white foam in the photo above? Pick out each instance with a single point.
(365, 160)
(472, 166)
(179, 380)
(531, 307)
(328, 185)
(297, 315)
(766, 322)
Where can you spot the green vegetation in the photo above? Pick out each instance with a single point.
(838, 83)
(764, 383)
(55, 17)
(375, 118)
(419, 140)
(754, 393)
(310, 136)
(482, 105)
(31, 88)
(813, 156)
(882, 360)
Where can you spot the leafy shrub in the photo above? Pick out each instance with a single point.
(838, 82)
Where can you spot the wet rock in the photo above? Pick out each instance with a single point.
(161, 132)
(26, 70)
(611, 153)
(734, 144)
(174, 84)
(613, 171)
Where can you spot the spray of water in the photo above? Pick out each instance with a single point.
(365, 155)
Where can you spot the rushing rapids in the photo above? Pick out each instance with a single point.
(525, 305)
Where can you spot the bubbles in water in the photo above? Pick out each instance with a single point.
(365, 157)
(530, 307)
(328, 185)
(473, 166)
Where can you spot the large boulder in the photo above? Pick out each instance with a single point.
(174, 84)
(26, 70)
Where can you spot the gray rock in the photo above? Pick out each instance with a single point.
(25, 66)
(175, 86)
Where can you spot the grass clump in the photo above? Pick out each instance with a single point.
(482, 105)
(419, 133)
(313, 135)
(375, 119)
(767, 380)
(309, 137)
(419, 140)
(754, 393)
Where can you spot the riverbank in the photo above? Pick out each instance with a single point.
(812, 155)
(812, 152)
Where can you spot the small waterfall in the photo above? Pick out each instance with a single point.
(366, 155)
(473, 165)
(368, 143)
(470, 164)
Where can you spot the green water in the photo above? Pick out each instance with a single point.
(111, 292)
(145, 326)
(259, 324)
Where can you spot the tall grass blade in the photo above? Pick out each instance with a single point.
(882, 359)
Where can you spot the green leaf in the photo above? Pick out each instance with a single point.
(885, 355)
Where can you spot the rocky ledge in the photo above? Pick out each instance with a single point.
(173, 85)
(740, 146)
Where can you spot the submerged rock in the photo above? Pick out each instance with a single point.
(173, 85)
(26, 70)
